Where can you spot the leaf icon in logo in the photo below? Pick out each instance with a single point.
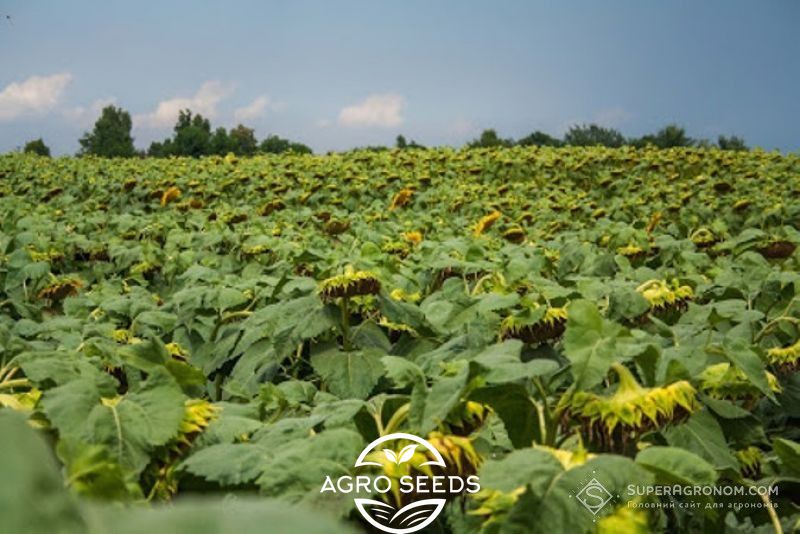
(391, 455)
(406, 453)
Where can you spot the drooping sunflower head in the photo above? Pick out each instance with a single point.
(336, 227)
(612, 422)
(664, 298)
(742, 204)
(197, 415)
(749, 460)
(349, 284)
(397, 328)
(414, 238)
(402, 295)
(723, 381)
(162, 474)
(176, 351)
(169, 195)
(777, 249)
(458, 452)
(467, 417)
(402, 198)
(703, 238)
(60, 288)
(631, 251)
(486, 222)
(535, 324)
(785, 359)
(515, 235)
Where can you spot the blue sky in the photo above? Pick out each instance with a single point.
(335, 74)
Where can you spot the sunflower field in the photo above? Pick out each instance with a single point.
(193, 345)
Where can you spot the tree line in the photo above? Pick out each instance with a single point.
(669, 136)
(193, 137)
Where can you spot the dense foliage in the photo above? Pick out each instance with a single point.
(37, 146)
(111, 135)
(206, 327)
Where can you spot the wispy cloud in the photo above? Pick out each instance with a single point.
(255, 109)
(34, 95)
(84, 115)
(204, 102)
(384, 110)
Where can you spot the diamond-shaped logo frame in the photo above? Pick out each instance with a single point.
(594, 496)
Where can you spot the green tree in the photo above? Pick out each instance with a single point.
(243, 141)
(489, 138)
(539, 138)
(160, 149)
(273, 144)
(221, 142)
(403, 144)
(669, 136)
(192, 135)
(731, 143)
(37, 146)
(111, 135)
(593, 135)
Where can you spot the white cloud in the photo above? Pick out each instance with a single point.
(322, 123)
(255, 109)
(36, 94)
(376, 110)
(86, 115)
(204, 102)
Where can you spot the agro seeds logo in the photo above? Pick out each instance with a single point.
(412, 494)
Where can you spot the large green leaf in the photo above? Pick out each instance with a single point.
(298, 468)
(228, 463)
(130, 425)
(739, 353)
(430, 407)
(516, 409)
(32, 495)
(789, 453)
(702, 435)
(589, 343)
(349, 374)
(676, 466)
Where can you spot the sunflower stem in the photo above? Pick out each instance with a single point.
(345, 307)
(627, 382)
(397, 418)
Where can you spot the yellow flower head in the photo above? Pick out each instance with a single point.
(662, 297)
(402, 198)
(169, 195)
(535, 324)
(486, 222)
(724, 381)
(350, 284)
(786, 359)
(614, 421)
(413, 237)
